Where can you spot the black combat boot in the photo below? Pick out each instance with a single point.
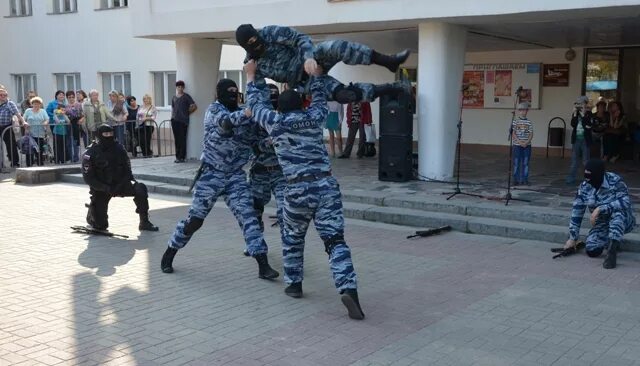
(350, 301)
(391, 62)
(264, 269)
(347, 94)
(167, 260)
(145, 224)
(392, 89)
(294, 290)
(612, 252)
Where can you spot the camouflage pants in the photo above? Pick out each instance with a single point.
(263, 185)
(321, 202)
(234, 188)
(329, 53)
(611, 227)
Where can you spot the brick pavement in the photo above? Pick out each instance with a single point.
(454, 299)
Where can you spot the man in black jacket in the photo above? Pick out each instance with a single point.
(107, 170)
(580, 137)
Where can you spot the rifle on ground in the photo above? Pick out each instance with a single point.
(562, 252)
(430, 232)
(93, 231)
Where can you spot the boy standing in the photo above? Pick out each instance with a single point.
(522, 133)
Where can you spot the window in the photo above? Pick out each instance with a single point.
(113, 4)
(66, 82)
(601, 77)
(19, 8)
(23, 83)
(120, 81)
(235, 75)
(64, 6)
(164, 86)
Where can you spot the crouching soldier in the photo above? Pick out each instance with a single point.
(606, 196)
(107, 170)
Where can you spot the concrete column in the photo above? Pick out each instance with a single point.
(198, 63)
(441, 53)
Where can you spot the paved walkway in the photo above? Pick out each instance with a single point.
(453, 299)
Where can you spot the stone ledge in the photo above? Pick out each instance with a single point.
(43, 174)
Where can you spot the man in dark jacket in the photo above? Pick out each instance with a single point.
(107, 170)
(580, 137)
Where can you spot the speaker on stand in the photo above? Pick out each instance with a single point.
(395, 144)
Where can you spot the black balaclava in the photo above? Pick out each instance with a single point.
(246, 32)
(106, 141)
(289, 100)
(594, 172)
(275, 93)
(227, 98)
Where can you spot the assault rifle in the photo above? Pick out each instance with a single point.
(562, 252)
(423, 233)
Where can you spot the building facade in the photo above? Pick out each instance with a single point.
(555, 50)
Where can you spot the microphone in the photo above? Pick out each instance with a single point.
(519, 89)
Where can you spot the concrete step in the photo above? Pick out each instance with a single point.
(480, 209)
(470, 224)
(152, 186)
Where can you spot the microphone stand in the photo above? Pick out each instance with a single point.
(508, 197)
(456, 190)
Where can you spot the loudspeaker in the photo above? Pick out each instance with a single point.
(395, 158)
(396, 116)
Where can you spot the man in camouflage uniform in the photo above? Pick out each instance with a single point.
(311, 191)
(607, 198)
(284, 55)
(227, 148)
(265, 175)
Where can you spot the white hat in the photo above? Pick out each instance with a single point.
(523, 105)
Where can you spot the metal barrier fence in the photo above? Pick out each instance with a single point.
(63, 143)
(166, 141)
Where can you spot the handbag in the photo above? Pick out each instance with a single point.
(370, 133)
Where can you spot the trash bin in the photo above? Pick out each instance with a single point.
(556, 135)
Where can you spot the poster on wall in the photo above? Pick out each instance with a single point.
(555, 75)
(473, 89)
(503, 81)
(499, 83)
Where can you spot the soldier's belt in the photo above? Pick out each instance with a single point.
(261, 169)
(308, 177)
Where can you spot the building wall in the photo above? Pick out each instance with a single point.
(490, 126)
(47, 44)
(170, 18)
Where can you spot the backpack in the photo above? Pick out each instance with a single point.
(370, 149)
(28, 145)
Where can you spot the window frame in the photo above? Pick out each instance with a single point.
(25, 6)
(168, 90)
(57, 7)
(112, 77)
(111, 4)
(224, 74)
(64, 75)
(33, 85)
